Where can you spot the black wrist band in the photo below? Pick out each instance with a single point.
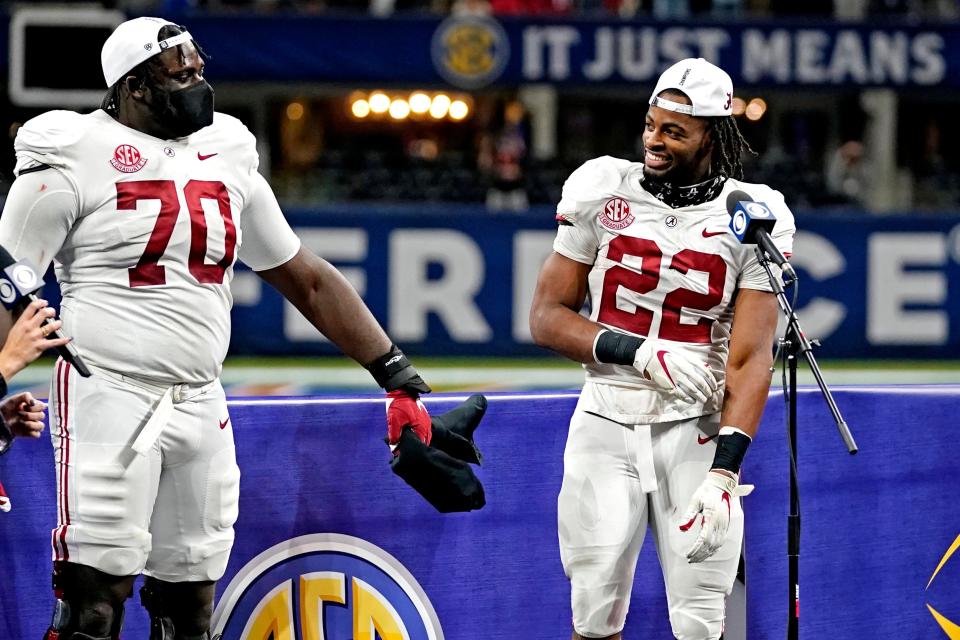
(3, 387)
(393, 371)
(616, 348)
(731, 448)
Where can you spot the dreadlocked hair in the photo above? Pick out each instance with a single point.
(729, 147)
(111, 101)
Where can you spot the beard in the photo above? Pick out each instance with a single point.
(682, 171)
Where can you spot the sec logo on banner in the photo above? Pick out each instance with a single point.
(325, 586)
(470, 51)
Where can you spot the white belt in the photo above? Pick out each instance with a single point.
(160, 415)
(645, 465)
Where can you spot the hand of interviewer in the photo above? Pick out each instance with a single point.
(23, 414)
(27, 339)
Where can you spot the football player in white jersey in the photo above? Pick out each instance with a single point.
(677, 350)
(143, 206)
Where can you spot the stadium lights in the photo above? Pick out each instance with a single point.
(360, 108)
(416, 104)
(739, 106)
(458, 110)
(399, 109)
(439, 105)
(379, 102)
(419, 102)
(755, 109)
(294, 111)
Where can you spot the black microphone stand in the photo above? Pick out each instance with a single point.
(794, 344)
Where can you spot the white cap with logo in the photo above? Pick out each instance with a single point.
(133, 42)
(708, 86)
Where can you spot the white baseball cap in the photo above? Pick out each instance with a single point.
(708, 86)
(133, 42)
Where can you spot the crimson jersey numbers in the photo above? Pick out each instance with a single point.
(640, 320)
(148, 270)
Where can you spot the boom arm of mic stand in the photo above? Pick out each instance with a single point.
(793, 328)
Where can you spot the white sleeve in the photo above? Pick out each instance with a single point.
(267, 241)
(753, 275)
(578, 236)
(578, 241)
(40, 210)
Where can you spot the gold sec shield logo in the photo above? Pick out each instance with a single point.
(950, 627)
(470, 51)
(325, 586)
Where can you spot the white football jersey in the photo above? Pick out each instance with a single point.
(659, 272)
(144, 236)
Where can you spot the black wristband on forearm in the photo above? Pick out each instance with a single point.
(393, 371)
(731, 448)
(3, 387)
(616, 348)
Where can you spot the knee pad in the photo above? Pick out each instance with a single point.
(82, 618)
(160, 605)
(687, 627)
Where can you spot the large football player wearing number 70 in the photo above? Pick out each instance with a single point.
(143, 206)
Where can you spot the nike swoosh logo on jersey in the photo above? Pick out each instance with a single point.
(702, 440)
(223, 423)
(200, 156)
(710, 234)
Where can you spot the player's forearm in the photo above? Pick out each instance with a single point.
(745, 395)
(335, 308)
(563, 330)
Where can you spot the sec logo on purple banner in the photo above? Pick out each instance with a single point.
(325, 586)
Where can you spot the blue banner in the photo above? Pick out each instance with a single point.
(328, 538)
(459, 280)
(475, 52)
(472, 52)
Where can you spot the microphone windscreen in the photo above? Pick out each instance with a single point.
(5, 258)
(734, 197)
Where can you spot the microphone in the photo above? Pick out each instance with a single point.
(752, 223)
(19, 283)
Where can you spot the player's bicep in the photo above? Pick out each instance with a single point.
(267, 241)
(563, 282)
(40, 209)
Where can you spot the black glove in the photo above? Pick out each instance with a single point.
(440, 472)
(453, 431)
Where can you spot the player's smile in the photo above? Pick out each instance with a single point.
(656, 161)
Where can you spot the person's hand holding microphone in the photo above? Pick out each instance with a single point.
(29, 338)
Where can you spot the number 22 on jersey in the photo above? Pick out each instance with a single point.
(646, 280)
(148, 270)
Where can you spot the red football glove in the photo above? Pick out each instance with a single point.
(405, 410)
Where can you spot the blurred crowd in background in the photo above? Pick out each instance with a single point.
(324, 145)
(843, 9)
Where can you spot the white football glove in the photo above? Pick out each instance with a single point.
(712, 499)
(673, 371)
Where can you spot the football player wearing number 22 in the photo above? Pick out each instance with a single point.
(677, 350)
(143, 206)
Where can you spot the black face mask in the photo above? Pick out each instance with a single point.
(183, 111)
